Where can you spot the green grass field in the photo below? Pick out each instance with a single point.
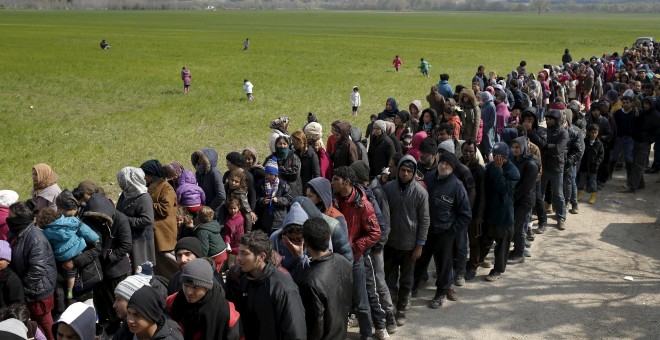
(97, 111)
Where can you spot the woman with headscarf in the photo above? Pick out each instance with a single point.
(45, 188)
(381, 149)
(345, 150)
(309, 161)
(467, 100)
(288, 165)
(314, 133)
(390, 111)
(252, 163)
(138, 207)
(279, 127)
(403, 131)
(165, 227)
(488, 115)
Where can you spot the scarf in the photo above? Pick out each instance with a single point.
(45, 177)
(208, 317)
(131, 181)
(282, 153)
(270, 188)
(152, 168)
(18, 223)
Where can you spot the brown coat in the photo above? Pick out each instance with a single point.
(165, 229)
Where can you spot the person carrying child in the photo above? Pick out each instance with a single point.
(67, 235)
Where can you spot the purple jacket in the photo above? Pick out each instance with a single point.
(188, 193)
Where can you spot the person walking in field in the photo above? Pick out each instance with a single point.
(356, 101)
(397, 62)
(186, 76)
(246, 44)
(247, 87)
(104, 45)
(424, 67)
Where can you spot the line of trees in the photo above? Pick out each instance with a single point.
(539, 6)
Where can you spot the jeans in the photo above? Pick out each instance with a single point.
(519, 230)
(636, 178)
(588, 181)
(570, 186)
(398, 262)
(360, 298)
(440, 247)
(556, 183)
(460, 253)
(379, 295)
(622, 144)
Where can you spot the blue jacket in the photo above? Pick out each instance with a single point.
(500, 193)
(69, 237)
(445, 89)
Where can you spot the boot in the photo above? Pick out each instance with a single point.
(592, 199)
(580, 192)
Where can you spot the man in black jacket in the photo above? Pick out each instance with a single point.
(475, 234)
(326, 286)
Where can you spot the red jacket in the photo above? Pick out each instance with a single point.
(363, 228)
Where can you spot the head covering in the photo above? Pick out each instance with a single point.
(499, 87)
(131, 181)
(145, 270)
(361, 169)
(177, 167)
(314, 131)
(45, 176)
(8, 197)
(612, 95)
(295, 216)
(87, 186)
(13, 329)
(392, 102)
(486, 96)
(380, 124)
(272, 167)
(428, 145)
(189, 243)
(199, 273)
(500, 148)
(148, 303)
(130, 285)
(66, 201)
(152, 168)
(403, 115)
(281, 123)
(408, 164)
(82, 318)
(629, 93)
(236, 158)
(323, 189)
(447, 146)
(522, 142)
(448, 158)
(252, 151)
(5, 251)
(311, 117)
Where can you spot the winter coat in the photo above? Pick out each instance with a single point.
(68, 236)
(326, 292)
(140, 213)
(345, 150)
(188, 193)
(488, 115)
(389, 114)
(575, 146)
(33, 261)
(113, 227)
(268, 221)
(90, 271)
(502, 114)
(355, 99)
(309, 167)
(325, 165)
(500, 186)
(289, 171)
(210, 180)
(4, 228)
(270, 306)
(11, 288)
(538, 134)
(449, 206)
(646, 127)
(363, 228)
(445, 89)
(232, 230)
(472, 114)
(593, 156)
(554, 158)
(380, 151)
(409, 212)
(210, 238)
(356, 137)
(479, 204)
(382, 209)
(167, 329)
(528, 168)
(165, 227)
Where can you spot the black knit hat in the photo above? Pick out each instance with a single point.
(448, 158)
(428, 145)
(148, 303)
(312, 118)
(236, 158)
(66, 201)
(404, 115)
(361, 170)
(190, 243)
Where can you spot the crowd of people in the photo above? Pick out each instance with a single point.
(326, 234)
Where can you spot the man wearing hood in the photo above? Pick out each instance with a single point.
(488, 115)
(524, 195)
(415, 109)
(390, 111)
(345, 152)
(77, 321)
(409, 224)
(208, 177)
(288, 242)
(553, 159)
(146, 318)
(449, 214)
(100, 214)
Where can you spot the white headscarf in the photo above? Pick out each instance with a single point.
(131, 181)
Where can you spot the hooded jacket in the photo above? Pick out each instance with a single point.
(416, 142)
(270, 306)
(538, 134)
(592, 157)
(69, 237)
(210, 238)
(295, 265)
(418, 105)
(528, 167)
(356, 137)
(210, 180)
(82, 318)
(345, 150)
(323, 188)
(112, 225)
(409, 211)
(33, 261)
(575, 146)
(554, 157)
(472, 113)
(488, 115)
(363, 228)
(500, 193)
(502, 115)
(188, 193)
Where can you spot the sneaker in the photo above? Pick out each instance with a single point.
(561, 225)
(436, 303)
(391, 322)
(515, 260)
(527, 243)
(459, 281)
(352, 321)
(381, 334)
(574, 210)
(530, 235)
(486, 264)
(452, 295)
(493, 276)
(527, 253)
(540, 229)
(470, 274)
(400, 318)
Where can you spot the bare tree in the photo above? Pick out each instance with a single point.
(541, 5)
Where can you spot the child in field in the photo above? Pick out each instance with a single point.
(397, 62)
(188, 193)
(237, 187)
(247, 87)
(233, 229)
(246, 44)
(208, 232)
(67, 235)
(593, 156)
(186, 76)
(424, 67)
(104, 45)
(355, 100)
